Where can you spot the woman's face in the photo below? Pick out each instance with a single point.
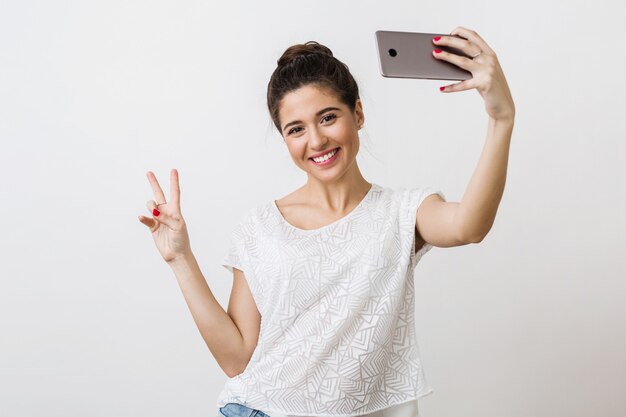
(314, 121)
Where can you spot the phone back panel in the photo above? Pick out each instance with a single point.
(413, 56)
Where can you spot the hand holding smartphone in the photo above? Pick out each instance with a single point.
(409, 55)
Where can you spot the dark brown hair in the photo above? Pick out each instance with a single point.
(310, 63)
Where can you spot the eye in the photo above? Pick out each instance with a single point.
(291, 130)
(331, 115)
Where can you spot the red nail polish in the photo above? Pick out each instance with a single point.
(436, 38)
(442, 88)
(156, 212)
(437, 51)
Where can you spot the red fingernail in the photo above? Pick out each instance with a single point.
(156, 212)
(437, 51)
(436, 38)
(442, 88)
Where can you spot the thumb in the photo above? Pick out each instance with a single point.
(151, 223)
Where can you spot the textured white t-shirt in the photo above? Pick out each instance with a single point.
(337, 333)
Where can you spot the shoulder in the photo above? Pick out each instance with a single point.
(245, 223)
(406, 200)
(397, 196)
(413, 196)
(295, 197)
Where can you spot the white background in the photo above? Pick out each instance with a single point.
(93, 94)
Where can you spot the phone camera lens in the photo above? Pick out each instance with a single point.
(393, 52)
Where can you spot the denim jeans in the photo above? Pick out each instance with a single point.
(239, 410)
(406, 409)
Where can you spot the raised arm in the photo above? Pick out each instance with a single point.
(470, 220)
(446, 224)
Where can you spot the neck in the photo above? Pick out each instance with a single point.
(339, 194)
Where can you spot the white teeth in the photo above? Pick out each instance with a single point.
(325, 157)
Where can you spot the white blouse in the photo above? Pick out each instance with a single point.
(337, 335)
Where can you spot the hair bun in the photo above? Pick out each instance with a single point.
(295, 51)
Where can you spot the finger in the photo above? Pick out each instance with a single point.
(459, 43)
(458, 60)
(151, 205)
(169, 218)
(463, 85)
(174, 188)
(473, 37)
(156, 188)
(455, 42)
(151, 223)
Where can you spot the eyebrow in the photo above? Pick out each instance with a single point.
(319, 113)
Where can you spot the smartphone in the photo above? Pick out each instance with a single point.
(409, 55)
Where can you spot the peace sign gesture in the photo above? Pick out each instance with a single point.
(167, 225)
(487, 75)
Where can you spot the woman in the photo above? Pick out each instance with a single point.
(329, 267)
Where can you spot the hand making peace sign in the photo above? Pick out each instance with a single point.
(487, 76)
(167, 225)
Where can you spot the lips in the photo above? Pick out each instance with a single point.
(335, 149)
(329, 162)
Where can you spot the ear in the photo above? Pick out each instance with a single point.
(358, 112)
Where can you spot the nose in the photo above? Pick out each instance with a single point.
(317, 139)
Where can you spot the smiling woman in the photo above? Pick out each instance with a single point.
(323, 298)
(328, 266)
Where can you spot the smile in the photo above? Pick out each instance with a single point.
(331, 157)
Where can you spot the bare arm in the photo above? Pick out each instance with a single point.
(446, 224)
(217, 328)
(477, 210)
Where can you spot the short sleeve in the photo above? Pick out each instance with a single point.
(236, 249)
(412, 201)
(241, 255)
